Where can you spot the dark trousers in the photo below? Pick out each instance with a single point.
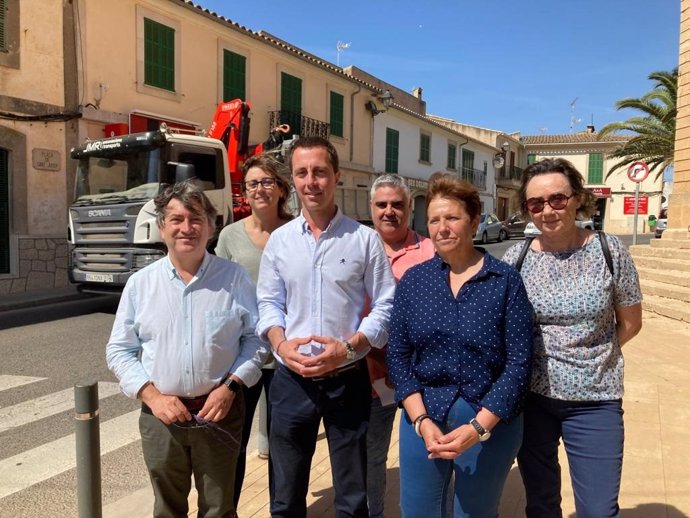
(298, 404)
(592, 434)
(173, 453)
(251, 398)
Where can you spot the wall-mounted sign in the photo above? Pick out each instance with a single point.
(601, 192)
(45, 159)
(629, 205)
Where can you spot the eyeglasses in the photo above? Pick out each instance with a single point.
(555, 201)
(253, 185)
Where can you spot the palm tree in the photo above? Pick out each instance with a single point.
(654, 131)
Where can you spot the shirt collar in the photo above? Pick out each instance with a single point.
(412, 242)
(490, 266)
(171, 271)
(304, 225)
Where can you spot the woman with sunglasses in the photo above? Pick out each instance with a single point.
(584, 313)
(243, 242)
(459, 354)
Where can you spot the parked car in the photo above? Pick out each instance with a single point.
(490, 229)
(531, 229)
(660, 223)
(515, 225)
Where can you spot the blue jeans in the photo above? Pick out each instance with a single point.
(480, 471)
(378, 440)
(297, 406)
(593, 435)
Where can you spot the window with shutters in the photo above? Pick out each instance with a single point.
(9, 33)
(595, 172)
(424, 147)
(452, 156)
(3, 17)
(4, 213)
(291, 102)
(467, 165)
(392, 149)
(337, 114)
(234, 76)
(531, 158)
(159, 55)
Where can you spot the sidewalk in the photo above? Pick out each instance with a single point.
(656, 478)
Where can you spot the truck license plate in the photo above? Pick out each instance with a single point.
(99, 277)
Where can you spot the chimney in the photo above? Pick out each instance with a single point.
(417, 92)
(590, 128)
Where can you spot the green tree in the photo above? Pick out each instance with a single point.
(654, 130)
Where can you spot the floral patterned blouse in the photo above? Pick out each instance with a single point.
(577, 356)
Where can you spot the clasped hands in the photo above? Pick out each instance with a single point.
(334, 352)
(449, 445)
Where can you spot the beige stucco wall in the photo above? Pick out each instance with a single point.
(112, 49)
(39, 77)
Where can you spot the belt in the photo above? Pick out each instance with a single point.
(193, 404)
(355, 366)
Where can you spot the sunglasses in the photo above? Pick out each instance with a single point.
(555, 201)
(253, 185)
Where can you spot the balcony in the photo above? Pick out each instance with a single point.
(476, 177)
(299, 124)
(509, 176)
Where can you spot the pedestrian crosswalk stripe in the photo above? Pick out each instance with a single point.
(8, 381)
(46, 406)
(48, 460)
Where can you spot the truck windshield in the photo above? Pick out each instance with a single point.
(118, 178)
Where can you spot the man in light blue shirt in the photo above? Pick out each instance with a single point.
(183, 342)
(316, 275)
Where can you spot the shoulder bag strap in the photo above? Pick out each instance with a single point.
(523, 253)
(607, 251)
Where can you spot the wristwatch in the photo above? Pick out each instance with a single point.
(351, 353)
(484, 434)
(233, 385)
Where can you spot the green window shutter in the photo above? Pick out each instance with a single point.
(291, 102)
(159, 55)
(234, 76)
(531, 158)
(467, 164)
(337, 114)
(3, 23)
(4, 213)
(596, 169)
(392, 148)
(452, 153)
(424, 147)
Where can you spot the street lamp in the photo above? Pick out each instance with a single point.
(499, 159)
(386, 99)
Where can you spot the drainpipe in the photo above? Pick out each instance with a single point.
(352, 122)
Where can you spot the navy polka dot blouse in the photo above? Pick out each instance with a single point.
(477, 345)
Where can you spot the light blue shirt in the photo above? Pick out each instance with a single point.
(188, 336)
(320, 287)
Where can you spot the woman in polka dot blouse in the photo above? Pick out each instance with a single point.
(585, 311)
(459, 355)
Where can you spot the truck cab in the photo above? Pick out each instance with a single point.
(112, 221)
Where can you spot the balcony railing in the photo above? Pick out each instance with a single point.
(476, 177)
(299, 124)
(510, 173)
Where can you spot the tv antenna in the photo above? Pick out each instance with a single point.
(340, 47)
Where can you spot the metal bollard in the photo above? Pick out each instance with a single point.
(87, 431)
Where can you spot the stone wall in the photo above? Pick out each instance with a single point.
(42, 264)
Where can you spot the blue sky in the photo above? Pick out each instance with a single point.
(502, 64)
